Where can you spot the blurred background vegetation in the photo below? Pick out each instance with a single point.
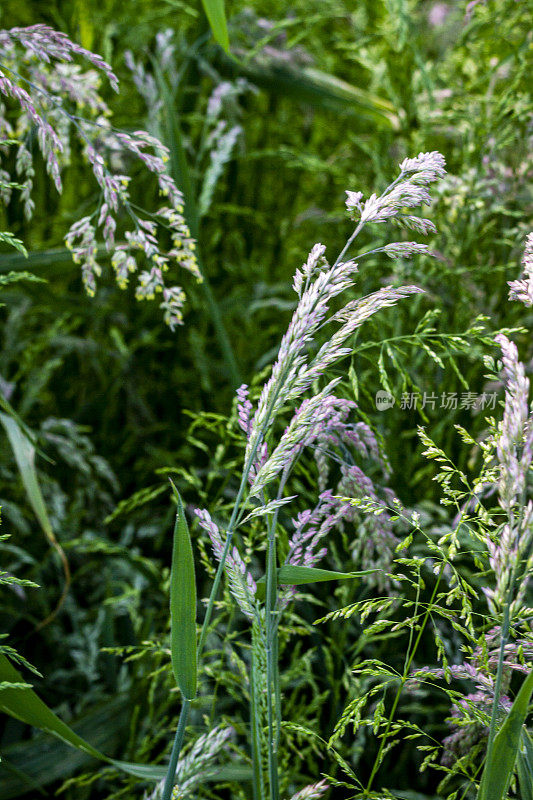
(329, 95)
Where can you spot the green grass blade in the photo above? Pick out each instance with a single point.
(216, 14)
(297, 576)
(56, 261)
(524, 765)
(25, 705)
(24, 453)
(32, 764)
(183, 606)
(6, 406)
(499, 769)
(319, 90)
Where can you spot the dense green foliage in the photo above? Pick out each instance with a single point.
(117, 403)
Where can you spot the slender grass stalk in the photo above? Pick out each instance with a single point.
(272, 665)
(504, 638)
(235, 517)
(272, 619)
(255, 722)
(349, 243)
(176, 748)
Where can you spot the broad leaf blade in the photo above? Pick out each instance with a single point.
(183, 606)
(499, 770)
(216, 14)
(25, 705)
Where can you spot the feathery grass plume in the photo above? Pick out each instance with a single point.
(320, 421)
(311, 792)
(511, 556)
(242, 584)
(197, 765)
(522, 289)
(292, 373)
(58, 99)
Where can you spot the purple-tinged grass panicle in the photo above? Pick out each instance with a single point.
(242, 585)
(511, 553)
(303, 429)
(405, 249)
(245, 411)
(46, 44)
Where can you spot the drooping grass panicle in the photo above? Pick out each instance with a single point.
(59, 100)
(47, 44)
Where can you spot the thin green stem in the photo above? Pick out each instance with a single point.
(348, 243)
(174, 756)
(220, 570)
(272, 670)
(403, 680)
(255, 723)
(504, 636)
(271, 592)
(271, 612)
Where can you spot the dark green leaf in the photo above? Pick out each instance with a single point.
(183, 606)
(499, 770)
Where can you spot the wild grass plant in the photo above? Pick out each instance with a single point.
(357, 606)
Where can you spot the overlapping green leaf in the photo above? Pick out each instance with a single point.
(499, 769)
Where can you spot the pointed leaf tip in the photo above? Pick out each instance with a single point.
(297, 575)
(216, 14)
